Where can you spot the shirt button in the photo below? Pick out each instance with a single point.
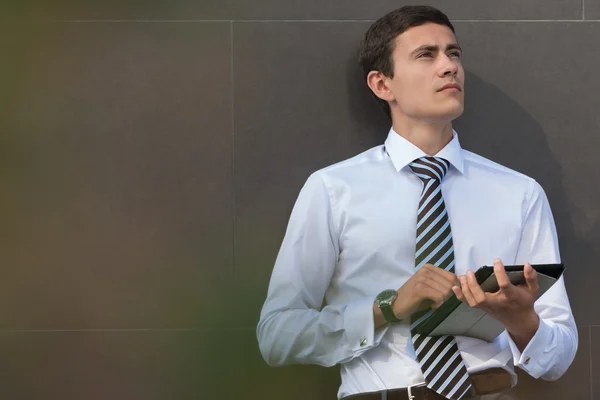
(527, 360)
(363, 342)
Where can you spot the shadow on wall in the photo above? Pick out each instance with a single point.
(498, 128)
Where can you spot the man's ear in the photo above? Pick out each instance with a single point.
(378, 83)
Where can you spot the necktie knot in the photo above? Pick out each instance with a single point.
(430, 168)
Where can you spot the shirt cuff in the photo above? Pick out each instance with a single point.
(359, 325)
(537, 355)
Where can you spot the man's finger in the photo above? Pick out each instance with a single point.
(464, 286)
(501, 275)
(474, 287)
(459, 294)
(434, 282)
(442, 274)
(434, 296)
(531, 277)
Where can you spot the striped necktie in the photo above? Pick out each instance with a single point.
(440, 360)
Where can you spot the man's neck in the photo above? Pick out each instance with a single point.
(429, 137)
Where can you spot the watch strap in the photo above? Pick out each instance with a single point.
(388, 314)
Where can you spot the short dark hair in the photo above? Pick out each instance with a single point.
(375, 53)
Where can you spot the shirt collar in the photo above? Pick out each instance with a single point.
(402, 152)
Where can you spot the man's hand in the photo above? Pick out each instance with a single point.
(512, 305)
(429, 286)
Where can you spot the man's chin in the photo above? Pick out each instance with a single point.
(447, 115)
(452, 112)
(438, 115)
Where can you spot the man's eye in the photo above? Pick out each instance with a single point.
(425, 55)
(454, 54)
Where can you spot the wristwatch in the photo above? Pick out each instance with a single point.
(384, 301)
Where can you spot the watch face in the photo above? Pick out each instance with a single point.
(387, 296)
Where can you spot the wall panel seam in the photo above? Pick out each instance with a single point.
(231, 66)
(591, 373)
(107, 21)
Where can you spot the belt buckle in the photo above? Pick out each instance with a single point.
(411, 396)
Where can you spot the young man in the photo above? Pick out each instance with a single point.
(399, 228)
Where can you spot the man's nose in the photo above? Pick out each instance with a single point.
(449, 67)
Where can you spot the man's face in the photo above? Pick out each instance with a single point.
(426, 58)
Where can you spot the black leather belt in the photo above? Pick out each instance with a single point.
(490, 381)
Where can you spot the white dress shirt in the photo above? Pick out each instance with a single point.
(352, 234)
